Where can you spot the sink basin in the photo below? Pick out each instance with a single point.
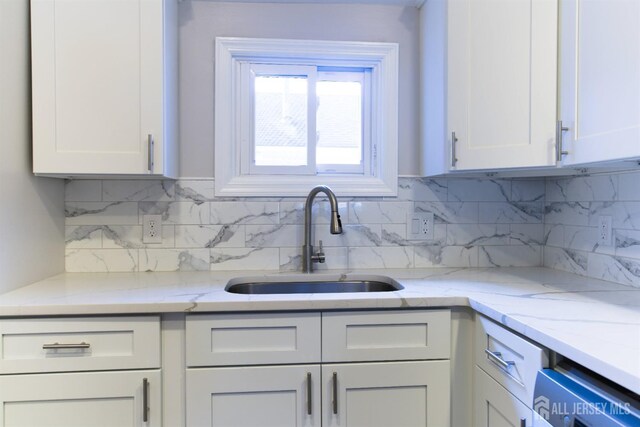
(312, 285)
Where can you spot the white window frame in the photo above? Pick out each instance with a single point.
(231, 85)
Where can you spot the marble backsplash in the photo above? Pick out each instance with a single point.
(573, 207)
(478, 223)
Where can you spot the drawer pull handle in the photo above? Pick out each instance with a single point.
(309, 408)
(334, 399)
(145, 400)
(58, 346)
(496, 357)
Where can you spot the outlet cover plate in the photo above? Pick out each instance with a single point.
(151, 228)
(420, 226)
(605, 233)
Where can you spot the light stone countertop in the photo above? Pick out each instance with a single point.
(592, 322)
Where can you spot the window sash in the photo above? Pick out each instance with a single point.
(363, 76)
(254, 70)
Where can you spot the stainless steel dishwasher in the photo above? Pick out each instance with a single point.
(572, 396)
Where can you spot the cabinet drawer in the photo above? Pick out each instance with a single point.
(252, 339)
(388, 335)
(509, 359)
(79, 344)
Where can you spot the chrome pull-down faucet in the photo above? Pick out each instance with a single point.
(335, 227)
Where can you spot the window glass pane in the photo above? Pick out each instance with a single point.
(339, 122)
(281, 121)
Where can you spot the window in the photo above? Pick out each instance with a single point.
(292, 114)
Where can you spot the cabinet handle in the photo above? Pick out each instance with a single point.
(559, 130)
(496, 357)
(150, 145)
(309, 408)
(58, 346)
(523, 422)
(145, 400)
(454, 158)
(334, 388)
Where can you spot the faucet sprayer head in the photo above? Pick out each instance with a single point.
(336, 225)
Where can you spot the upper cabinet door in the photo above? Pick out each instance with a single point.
(502, 83)
(600, 80)
(99, 70)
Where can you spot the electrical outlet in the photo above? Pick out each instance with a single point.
(604, 231)
(420, 226)
(151, 228)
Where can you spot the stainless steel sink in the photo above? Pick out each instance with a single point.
(312, 285)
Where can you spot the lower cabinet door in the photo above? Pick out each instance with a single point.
(256, 396)
(494, 406)
(89, 399)
(398, 394)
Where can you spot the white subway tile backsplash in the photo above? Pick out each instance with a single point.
(100, 213)
(527, 234)
(174, 260)
(478, 222)
(569, 213)
(197, 191)
(509, 256)
(615, 269)
(83, 237)
(527, 190)
(210, 236)
(292, 212)
(245, 213)
(624, 214)
(180, 213)
(450, 212)
(101, 260)
(566, 260)
(382, 212)
(511, 212)
(445, 256)
(273, 236)
(628, 188)
(381, 257)
(130, 237)
(479, 190)
(422, 189)
(245, 259)
(582, 189)
(137, 190)
(83, 190)
(477, 234)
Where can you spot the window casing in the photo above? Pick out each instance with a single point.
(291, 97)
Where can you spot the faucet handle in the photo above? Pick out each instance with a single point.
(318, 256)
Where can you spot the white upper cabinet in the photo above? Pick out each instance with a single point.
(600, 80)
(497, 60)
(501, 83)
(104, 87)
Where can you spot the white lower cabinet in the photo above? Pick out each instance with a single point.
(504, 376)
(81, 399)
(399, 394)
(410, 394)
(338, 369)
(80, 372)
(259, 396)
(496, 407)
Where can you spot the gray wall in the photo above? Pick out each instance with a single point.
(31, 208)
(202, 21)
